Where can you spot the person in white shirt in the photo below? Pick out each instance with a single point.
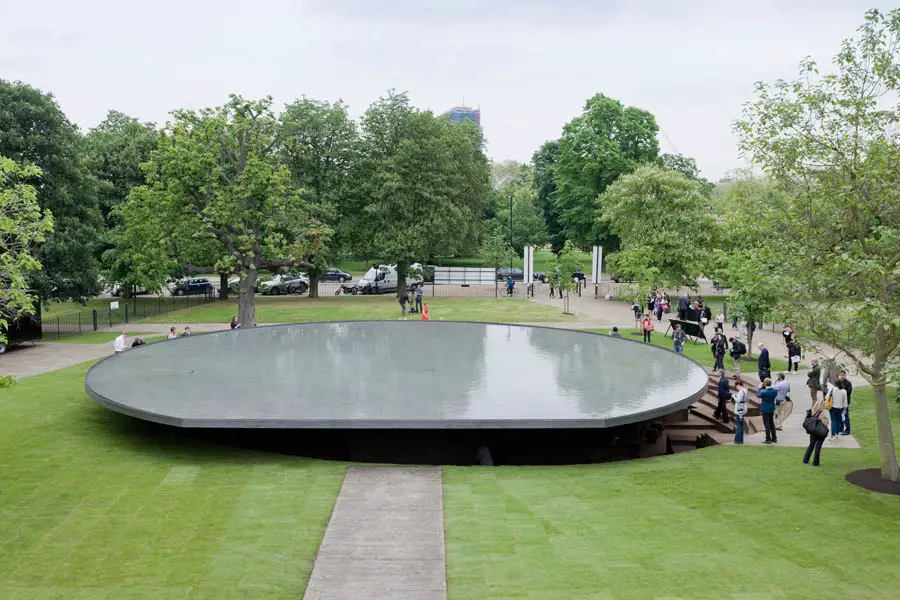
(740, 410)
(784, 389)
(838, 405)
(119, 343)
(172, 335)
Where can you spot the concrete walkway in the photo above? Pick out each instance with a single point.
(385, 539)
(34, 359)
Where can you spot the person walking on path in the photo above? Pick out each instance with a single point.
(838, 398)
(404, 300)
(784, 389)
(793, 355)
(766, 394)
(764, 365)
(720, 321)
(658, 308)
(723, 393)
(740, 410)
(420, 292)
(815, 440)
(684, 303)
(848, 387)
(647, 327)
(812, 381)
(738, 349)
(678, 337)
(719, 346)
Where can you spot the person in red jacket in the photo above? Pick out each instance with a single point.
(425, 315)
(647, 327)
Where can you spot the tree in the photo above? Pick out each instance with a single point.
(664, 222)
(34, 131)
(495, 252)
(423, 184)
(514, 188)
(317, 142)
(23, 225)
(830, 142)
(216, 170)
(544, 162)
(561, 269)
(686, 166)
(604, 142)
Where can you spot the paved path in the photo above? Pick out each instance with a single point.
(385, 539)
(34, 359)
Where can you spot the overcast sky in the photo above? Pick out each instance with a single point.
(529, 65)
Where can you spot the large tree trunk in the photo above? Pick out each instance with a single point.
(223, 286)
(247, 298)
(401, 277)
(889, 468)
(313, 284)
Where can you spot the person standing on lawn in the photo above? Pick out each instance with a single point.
(738, 349)
(740, 410)
(838, 399)
(763, 364)
(848, 387)
(815, 440)
(767, 394)
(678, 338)
(420, 292)
(647, 327)
(723, 393)
(403, 300)
(426, 316)
(784, 389)
(812, 381)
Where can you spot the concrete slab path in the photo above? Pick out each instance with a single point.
(385, 538)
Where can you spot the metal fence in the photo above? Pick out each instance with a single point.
(100, 319)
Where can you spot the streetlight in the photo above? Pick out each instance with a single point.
(510, 232)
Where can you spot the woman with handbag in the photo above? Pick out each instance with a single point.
(836, 403)
(816, 425)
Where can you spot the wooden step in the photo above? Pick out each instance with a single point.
(694, 422)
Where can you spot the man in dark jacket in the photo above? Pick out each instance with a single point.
(764, 365)
(724, 395)
(684, 303)
(812, 380)
(738, 349)
(719, 346)
(848, 387)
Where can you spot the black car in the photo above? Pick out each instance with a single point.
(579, 275)
(621, 278)
(544, 278)
(192, 285)
(336, 275)
(506, 273)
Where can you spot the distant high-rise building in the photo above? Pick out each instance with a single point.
(458, 114)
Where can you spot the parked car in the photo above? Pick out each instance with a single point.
(544, 278)
(192, 285)
(621, 278)
(138, 290)
(382, 279)
(336, 275)
(288, 283)
(505, 273)
(579, 275)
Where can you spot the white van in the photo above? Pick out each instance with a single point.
(382, 279)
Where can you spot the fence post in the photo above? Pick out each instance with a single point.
(110, 319)
(94, 313)
(57, 327)
(79, 323)
(126, 314)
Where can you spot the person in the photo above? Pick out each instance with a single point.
(667, 303)
(735, 317)
(651, 301)
(119, 343)
(420, 293)
(172, 335)
(724, 395)
(718, 347)
(403, 299)
(647, 327)
(740, 410)
(738, 349)
(700, 303)
(425, 314)
(848, 387)
(815, 441)
(684, 303)
(720, 321)
(766, 394)
(838, 404)
(658, 308)
(812, 381)
(764, 365)
(510, 286)
(678, 338)
(137, 342)
(615, 333)
(784, 389)
(788, 334)
(234, 322)
(187, 332)
(793, 355)
(705, 315)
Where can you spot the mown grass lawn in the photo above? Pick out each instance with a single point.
(357, 308)
(94, 505)
(100, 337)
(700, 352)
(724, 522)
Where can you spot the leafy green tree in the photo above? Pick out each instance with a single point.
(664, 222)
(423, 185)
(830, 141)
(686, 166)
(34, 131)
(495, 252)
(544, 162)
(561, 269)
(23, 225)
(514, 192)
(604, 142)
(318, 143)
(216, 169)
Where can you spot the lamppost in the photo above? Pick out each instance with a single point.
(510, 232)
